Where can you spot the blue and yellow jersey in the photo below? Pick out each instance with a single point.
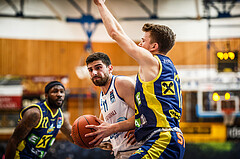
(158, 103)
(42, 137)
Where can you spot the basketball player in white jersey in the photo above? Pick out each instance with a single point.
(116, 103)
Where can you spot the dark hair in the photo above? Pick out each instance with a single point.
(162, 35)
(99, 56)
(52, 84)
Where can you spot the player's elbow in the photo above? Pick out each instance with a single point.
(114, 34)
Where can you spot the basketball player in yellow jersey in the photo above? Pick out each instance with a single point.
(39, 125)
(158, 96)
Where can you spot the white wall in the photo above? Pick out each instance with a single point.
(186, 30)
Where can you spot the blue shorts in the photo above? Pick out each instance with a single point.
(163, 145)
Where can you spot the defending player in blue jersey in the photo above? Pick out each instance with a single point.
(158, 99)
(39, 125)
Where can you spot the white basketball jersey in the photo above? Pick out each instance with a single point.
(114, 109)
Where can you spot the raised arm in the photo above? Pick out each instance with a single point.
(29, 120)
(115, 31)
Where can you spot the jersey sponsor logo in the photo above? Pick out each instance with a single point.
(50, 129)
(179, 92)
(112, 97)
(167, 61)
(138, 99)
(168, 88)
(52, 141)
(104, 106)
(38, 153)
(21, 145)
(139, 151)
(59, 122)
(176, 77)
(143, 120)
(137, 122)
(136, 110)
(110, 115)
(33, 138)
(43, 142)
(121, 119)
(115, 135)
(175, 114)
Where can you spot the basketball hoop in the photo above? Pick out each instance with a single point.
(228, 116)
(89, 24)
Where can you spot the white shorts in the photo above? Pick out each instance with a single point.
(124, 154)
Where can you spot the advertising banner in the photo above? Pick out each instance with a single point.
(10, 102)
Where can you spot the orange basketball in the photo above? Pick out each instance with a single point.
(78, 131)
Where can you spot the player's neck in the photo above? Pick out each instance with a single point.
(107, 85)
(53, 109)
(158, 53)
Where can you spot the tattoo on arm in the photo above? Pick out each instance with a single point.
(28, 122)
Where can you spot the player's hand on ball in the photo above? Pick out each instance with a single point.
(103, 130)
(79, 130)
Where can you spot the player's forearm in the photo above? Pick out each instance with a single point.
(124, 125)
(69, 137)
(111, 24)
(10, 150)
(66, 130)
(117, 33)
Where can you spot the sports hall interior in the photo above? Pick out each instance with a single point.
(44, 40)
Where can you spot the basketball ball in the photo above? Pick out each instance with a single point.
(78, 131)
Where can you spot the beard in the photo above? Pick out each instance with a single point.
(101, 81)
(55, 104)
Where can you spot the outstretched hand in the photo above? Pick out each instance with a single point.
(103, 130)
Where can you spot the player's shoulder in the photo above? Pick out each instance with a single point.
(124, 84)
(32, 110)
(121, 81)
(32, 115)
